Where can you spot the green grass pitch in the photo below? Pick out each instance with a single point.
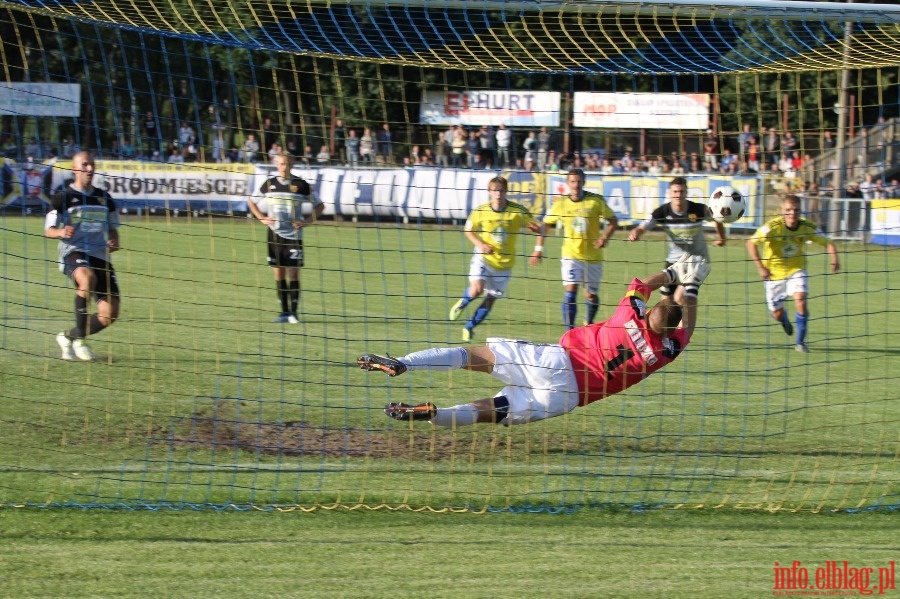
(741, 421)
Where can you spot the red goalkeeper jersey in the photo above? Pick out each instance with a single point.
(615, 354)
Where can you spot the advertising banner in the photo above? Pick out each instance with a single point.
(137, 185)
(477, 108)
(40, 99)
(641, 111)
(886, 222)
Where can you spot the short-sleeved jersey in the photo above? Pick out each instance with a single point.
(685, 231)
(282, 200)
(92, 214)
(581, 224)
(783, 249)
(501, 230)
(613, 355)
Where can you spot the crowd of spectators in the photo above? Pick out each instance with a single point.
(749, 152)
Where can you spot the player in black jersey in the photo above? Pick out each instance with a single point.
(682, 220)
(279, 206)
(85, 221)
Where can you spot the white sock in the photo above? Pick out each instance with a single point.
(447, 358)
(462, 415)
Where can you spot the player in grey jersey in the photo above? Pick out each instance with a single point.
(280, 207)
(682, 220)
(85, 221)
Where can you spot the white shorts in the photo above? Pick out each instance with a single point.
(540, 382)
(782, 289)
(577, 272)
(495, 281)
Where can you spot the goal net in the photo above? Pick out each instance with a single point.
(205, 394)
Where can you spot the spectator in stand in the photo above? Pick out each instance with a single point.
(441, 151)
(186, 134)
(786, 166)
(68, 150)
(789, 144)
(152, 137)
(324, 156)
(696, 166)
(191, 152)
(175, 155)
(654, 170)
(458, 148)
(892, 191)
(352, 146)
(606, 167)
(340, 142)
(867, 187)
(753, 156)
(367, 147)
(218, 143)
(292, 150)
(711, 150)
(250, 149)
(543, 148)
(771, 148)
(744, 138)
(530, 145)
(127, 149)
(33, 150)
(618, 168)
(487, 140)
(504, 146)
(415, 156)
(274, 151)
(828, 141)
(386, 144)
(728, 165)
(473, 149)
(233, 156)
(552, 163)
(627, 162)
(269, 134)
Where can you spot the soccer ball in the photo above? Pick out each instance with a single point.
(726, 205)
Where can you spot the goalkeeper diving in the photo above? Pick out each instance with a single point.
(589, 363)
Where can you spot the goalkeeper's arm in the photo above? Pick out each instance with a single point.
(684, 273)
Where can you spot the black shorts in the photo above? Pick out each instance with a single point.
(669, 290)
(285, 253)
(107, 284)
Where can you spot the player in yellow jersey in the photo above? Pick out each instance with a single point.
(582, 250)
(783, 263)
(494, 229)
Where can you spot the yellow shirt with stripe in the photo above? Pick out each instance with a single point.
(784, 250)
(500, 230)
(581, 224)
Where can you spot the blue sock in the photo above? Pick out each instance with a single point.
(466, 298)
(480, 314)
(591, 307)
(569, 309)
(801, 326)
(784, 318)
